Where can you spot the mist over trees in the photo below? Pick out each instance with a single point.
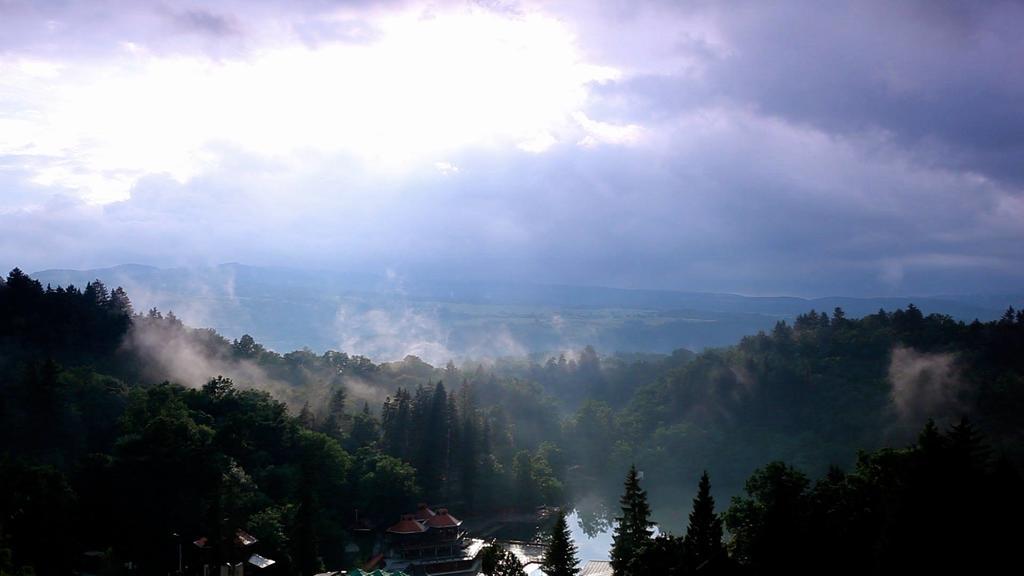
(110, 443)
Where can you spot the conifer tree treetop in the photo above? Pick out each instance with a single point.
(633, 529)
(560, 557)
(703, 540)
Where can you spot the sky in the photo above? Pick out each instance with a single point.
(805, 148)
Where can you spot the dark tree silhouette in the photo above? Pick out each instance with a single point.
(703, 541)
(560, 557)
(498, 561)
(633, 528)
(364, 430)
(768, 526)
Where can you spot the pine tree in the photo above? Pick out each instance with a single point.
(967, 446)
(306, 417)
(339, 398)
(560, 557)
(332, 424)
(119, 301)
(929, 440)
(395, 423)
(703, 540)
(364, 430)
(451, 448)
(468, 459)
(523, 484)
(96, 293)
(633, 528)
(433, 439)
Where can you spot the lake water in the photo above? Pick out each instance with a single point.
(593, 537)
(592, 534)
(591, 525)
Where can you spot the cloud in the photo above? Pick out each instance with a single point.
(205, 22)
(407, 329)
(938, 78)
(720, 199)
(392, 334)
(782, 148)
(178, 356)
(607, 133)
(446, 168)
(924, 385)
(193, 357)
(432, 81)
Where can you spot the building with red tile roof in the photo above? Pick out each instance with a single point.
(442, 519)
(432, 543)
(423, 512)
(407, 524)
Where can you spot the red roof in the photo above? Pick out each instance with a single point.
(407, 525)
(423, 512)
(443, 519)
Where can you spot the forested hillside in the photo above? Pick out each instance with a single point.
(816, 392)
(943, 504)
(101, 455)
(127, 434)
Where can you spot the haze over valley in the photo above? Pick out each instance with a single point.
(511, 287)
(387, 317)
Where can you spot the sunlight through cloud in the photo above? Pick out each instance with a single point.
(430, 84)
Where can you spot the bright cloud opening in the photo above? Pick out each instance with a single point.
(430, 84)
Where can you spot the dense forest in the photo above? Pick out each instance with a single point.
(128, 435)
(941, 505)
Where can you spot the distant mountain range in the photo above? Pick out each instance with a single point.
(387, 318)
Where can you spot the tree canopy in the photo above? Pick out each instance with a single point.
(121, 428)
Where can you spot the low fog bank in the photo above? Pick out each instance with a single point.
(924, 385)
(163, 348)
